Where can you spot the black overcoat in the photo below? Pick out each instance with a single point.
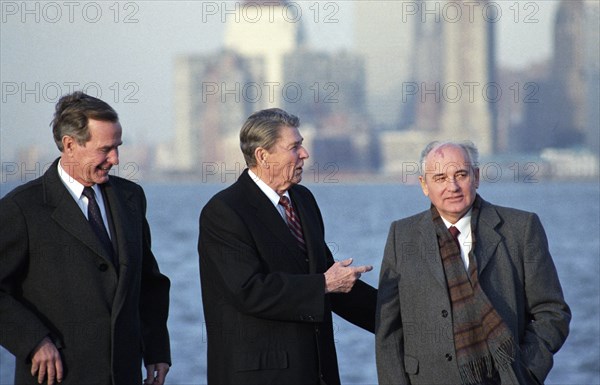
(56, 280)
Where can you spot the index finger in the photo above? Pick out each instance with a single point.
(363, 269)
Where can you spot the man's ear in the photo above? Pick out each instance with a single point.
(261, 155)
(476, 177)
(68, 145)
(423, 185)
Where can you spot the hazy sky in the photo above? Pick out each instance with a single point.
(123, 51)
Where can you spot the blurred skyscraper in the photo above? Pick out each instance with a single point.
(213, 94)
(592, 75)
(267, 30)
(384, 34)
(558, 116)
(468, 74)
(266, 64)
(450, 90)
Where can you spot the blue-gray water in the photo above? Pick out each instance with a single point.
(357, 219)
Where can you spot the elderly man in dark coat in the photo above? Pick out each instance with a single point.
(82, 300)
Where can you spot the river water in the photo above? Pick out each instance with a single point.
(357, 219)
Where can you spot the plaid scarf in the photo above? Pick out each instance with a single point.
(482, 340)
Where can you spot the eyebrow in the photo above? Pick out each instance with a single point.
(112, 146)
(297, 142)
(456, 172)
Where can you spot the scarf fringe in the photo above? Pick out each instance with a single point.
(504, 354)
(475, 371)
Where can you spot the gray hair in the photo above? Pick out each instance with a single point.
(467, 146)
(72, 115)
(261, 129)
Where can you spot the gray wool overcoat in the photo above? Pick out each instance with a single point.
(414, 335)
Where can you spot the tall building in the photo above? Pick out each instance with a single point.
(384, 36)
(213, 95)
(331, 98)
(422, 96)
(265, 65)
(558, 117)
(592, 77)
(335, 84)
(265, 30)
(568, 73)
(467, 108)
(450, 93)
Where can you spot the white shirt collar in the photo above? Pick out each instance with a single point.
(268, 191)
(74, 187)
(463, 224)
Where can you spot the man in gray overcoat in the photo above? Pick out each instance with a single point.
(468, 291)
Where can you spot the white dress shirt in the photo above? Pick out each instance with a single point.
(76, 190)
(464, 238)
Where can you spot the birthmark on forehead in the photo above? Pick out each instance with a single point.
(439, 152)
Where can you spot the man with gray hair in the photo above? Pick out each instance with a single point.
(468, 291)
(82, 299)
(269, 281)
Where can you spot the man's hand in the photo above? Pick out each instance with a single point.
(156, 373)
(46, 362)
(340, 277)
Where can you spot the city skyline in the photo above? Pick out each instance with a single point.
(30, 89)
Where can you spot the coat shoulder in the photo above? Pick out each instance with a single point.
(506, 214)
(410, 222)
(125, 184)
(31, 191)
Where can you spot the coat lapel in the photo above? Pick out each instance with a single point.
(268, 215)
(67, 213)
(486, 237)
(125, 221)
(310, 232)
(429, 248)
(127, 228)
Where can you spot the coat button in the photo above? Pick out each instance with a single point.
(103, 267)
(448, 357)
(444, 313)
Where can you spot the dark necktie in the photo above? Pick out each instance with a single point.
(95, 219)
(293, 222)
(455, 232)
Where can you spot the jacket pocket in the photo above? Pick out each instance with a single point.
(245, 361)
(411, 364)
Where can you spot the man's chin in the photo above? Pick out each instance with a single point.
(100, 178)
(297, 178)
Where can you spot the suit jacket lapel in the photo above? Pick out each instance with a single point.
(67, 213)
(486, 237)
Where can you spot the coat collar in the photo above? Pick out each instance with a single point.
(487, 240)
(69, 216)
(270, 217)
(427, 243)
(487, 236)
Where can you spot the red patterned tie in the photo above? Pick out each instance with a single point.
(293, 222)
(455, 232)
